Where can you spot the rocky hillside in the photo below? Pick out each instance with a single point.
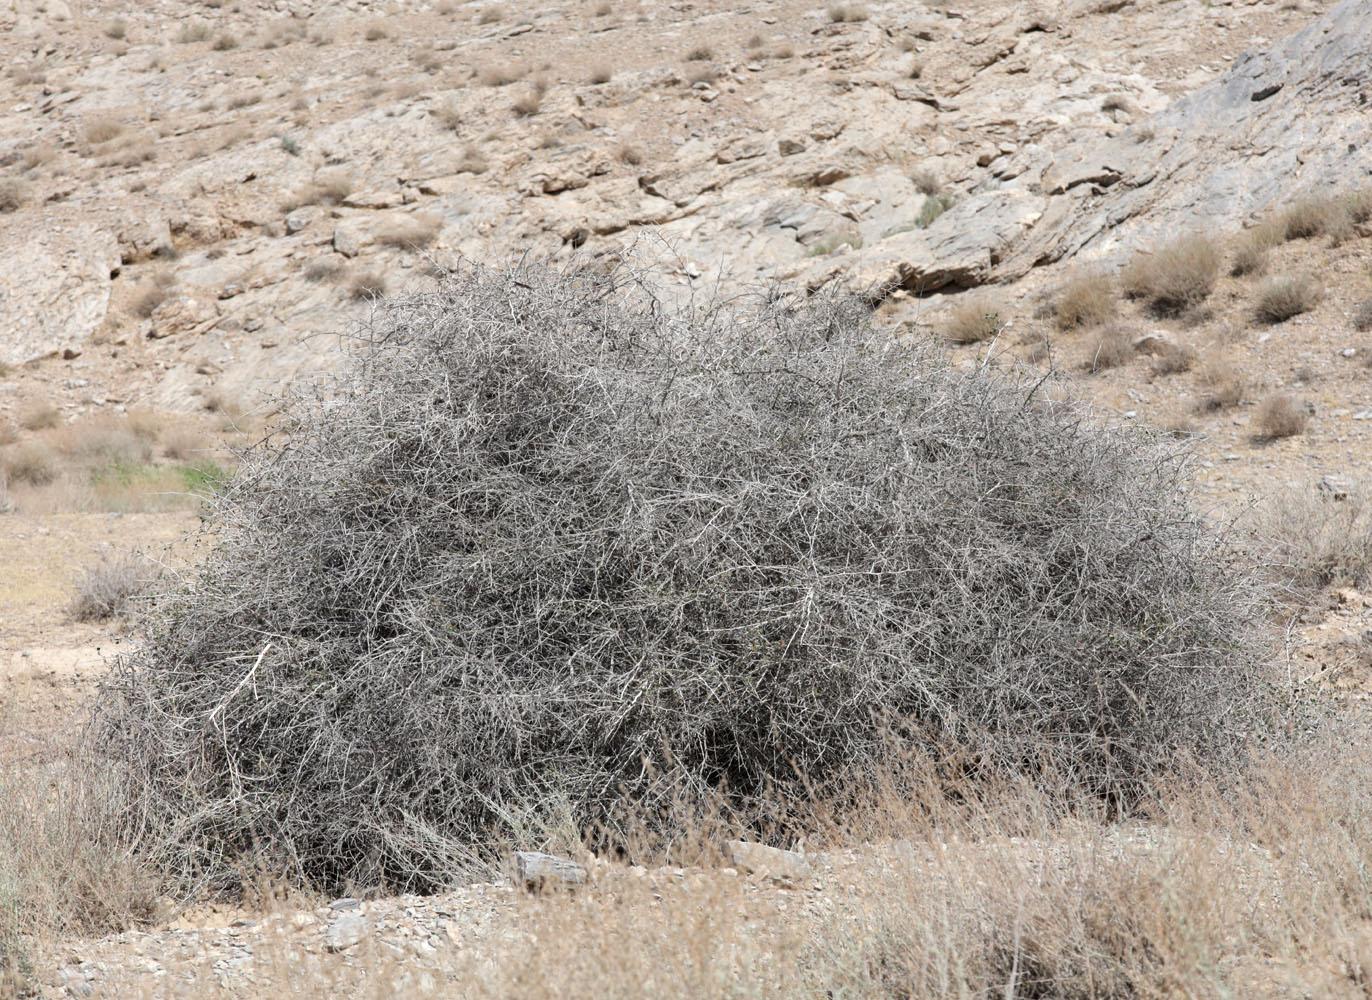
(194, 191)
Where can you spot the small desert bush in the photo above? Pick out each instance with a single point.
(194, 31)
(367, 283)
(1252, 248)
(1173, 359)
(13, 194)
(1175, 277)
(1311, 539)
(547, 545)
(932, 208)
(1111, 347)
(783, 50)
(31, 462)
(151, 292)
(324, 269)
(38, 154)
(1284, 296)
(225, 41)
(98, 441)
(526, 104)
(39, 416)
(1362, 316)
(702, 74)
(700, 53)
(117, 28)
(418, 230)
(1281, 415)
(472, 161)
(1310, 217)
(1224, 384)
(102, 129)
(601, 73)
(848, 12)
(973, 321)
(493, 14)
(375, 32)
(108, 588)
(1085, 300)
(67, 864)
(332, 185)
(503, 74)
(427, 59)
(628, 154)
(180, 443)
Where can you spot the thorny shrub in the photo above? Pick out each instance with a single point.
(552, 541)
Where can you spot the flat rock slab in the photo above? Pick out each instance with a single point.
(54, 286)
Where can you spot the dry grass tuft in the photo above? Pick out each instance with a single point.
(193, 31)
(325, 269)
(1085, 300)
(631, 155)
(417, 230)
(1173, 359)
(973, 321)
(927, 182)
(1252, 248)
(493, 14)
(783, 50)
(39, 416)
(67, 863)
(14, 194)
(108, 588)
(1281, 415)
(1174, 278)
(376, 32)
(1362, 315)
(180, 443)
(31, 462)
(1225, 386)
(225, 41)
(526, 105)
(151, 292)
(600, 73)
(502, 75)
(428, 59)
(1313, 539)
(102, 129)
(367, 283)
(1310, 217)
(472, 161)
(1284, 296)
(840, 13)
(1111, 347)
(700, 53)
(38, 154)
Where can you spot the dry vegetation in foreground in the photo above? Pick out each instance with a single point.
(1247, 887)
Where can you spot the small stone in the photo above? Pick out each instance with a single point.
(301, 218)
(1348, 352)
(346, 241)
(346, 931)
(770, 862)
